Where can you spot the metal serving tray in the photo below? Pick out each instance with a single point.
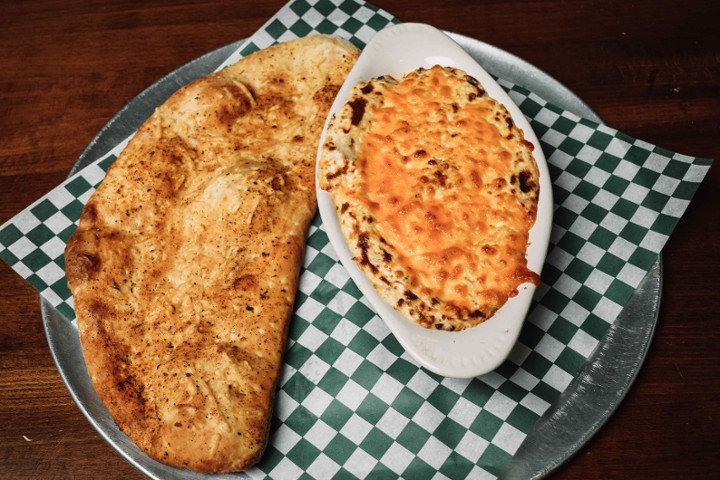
(577, 415)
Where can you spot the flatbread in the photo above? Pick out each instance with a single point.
(185, 264)
(436, 191)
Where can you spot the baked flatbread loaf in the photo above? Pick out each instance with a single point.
(185, 264)
(436, 191)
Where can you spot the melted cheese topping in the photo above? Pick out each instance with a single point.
(444, 184)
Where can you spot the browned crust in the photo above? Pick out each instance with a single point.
(432, 160)
(186, 260)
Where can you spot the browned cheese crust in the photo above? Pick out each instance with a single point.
(436, 190)
(185, 263)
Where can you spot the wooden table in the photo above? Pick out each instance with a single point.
(648, 68)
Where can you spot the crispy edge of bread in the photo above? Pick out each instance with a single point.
(123, 396)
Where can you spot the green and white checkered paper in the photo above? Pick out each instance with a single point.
(351, 402)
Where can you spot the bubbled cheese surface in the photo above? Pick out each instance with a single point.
(437, 191)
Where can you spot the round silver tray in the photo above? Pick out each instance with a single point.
(579, 412)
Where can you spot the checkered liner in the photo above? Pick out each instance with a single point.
(351, 401)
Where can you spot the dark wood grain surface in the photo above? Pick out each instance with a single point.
(648, 68)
